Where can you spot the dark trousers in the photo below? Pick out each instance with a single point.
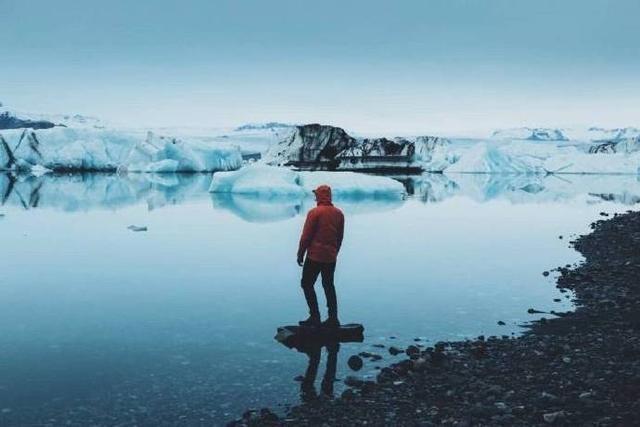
(310, 272)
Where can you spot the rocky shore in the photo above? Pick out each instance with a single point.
(578, 368)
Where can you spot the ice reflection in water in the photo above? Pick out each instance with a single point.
(101, 324)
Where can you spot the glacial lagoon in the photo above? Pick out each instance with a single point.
(99, 323)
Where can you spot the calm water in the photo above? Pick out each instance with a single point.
(100, 323)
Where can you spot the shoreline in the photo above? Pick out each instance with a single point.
(579, 368)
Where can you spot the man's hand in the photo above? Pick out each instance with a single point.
(300, 260)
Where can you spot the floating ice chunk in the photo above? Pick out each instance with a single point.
(267, 181)
(262, 181)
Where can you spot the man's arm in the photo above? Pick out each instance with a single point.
(340, 230)
(308, 231)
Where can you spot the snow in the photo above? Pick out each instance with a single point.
(87, 149)
(277, 182)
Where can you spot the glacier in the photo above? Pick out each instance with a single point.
(74, 143)
(91, 149)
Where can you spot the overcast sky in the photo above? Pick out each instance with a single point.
(449, 66)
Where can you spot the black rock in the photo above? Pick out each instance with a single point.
(355, 363)
(394, 351)
(412, 350)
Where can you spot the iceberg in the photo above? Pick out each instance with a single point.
(323, 147)
(277, 182)
(102, 150)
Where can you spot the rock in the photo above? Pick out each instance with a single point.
(394, 351)
(412, 350)
(501, 323)
(136, 228)
(545, 273)
(552, 417)
(355, 363)
(268, 416)
(352, 381)
(378, 345)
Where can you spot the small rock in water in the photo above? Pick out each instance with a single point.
(557, 300)
(545, 273)
(394, 351)
(355, 363)
(501, 323)
(378, 345)
(136, 228)
(534, 311)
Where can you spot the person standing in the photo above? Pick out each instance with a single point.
(320, 241)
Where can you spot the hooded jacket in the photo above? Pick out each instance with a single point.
(323, 229)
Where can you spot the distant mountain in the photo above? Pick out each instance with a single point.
(531, 134)
(10, 121)
(263, 126)
(596, 134)
(615, 134)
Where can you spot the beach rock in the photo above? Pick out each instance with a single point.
(394, 351)
(355, 363)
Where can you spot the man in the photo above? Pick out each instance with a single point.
(321, 240)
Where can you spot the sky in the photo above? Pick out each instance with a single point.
(429, 66)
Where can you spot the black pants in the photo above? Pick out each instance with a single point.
(310, 273)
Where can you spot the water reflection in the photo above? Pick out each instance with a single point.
(308, 391)
(85, 192)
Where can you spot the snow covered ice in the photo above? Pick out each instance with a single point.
(90, 149)
(277, 182)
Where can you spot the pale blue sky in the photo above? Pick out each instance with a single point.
(456, 66)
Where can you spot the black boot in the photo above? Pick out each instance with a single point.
(311, 321)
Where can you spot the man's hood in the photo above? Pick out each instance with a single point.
(323, 195)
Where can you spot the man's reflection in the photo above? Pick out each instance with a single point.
(308, 391)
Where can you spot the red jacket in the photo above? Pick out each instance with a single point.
(323, 229)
